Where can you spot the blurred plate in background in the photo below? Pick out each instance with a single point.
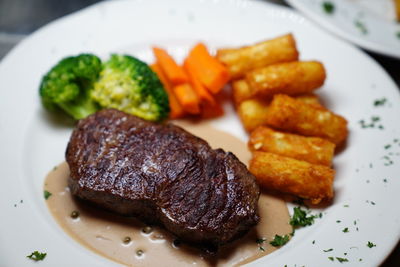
(370, 24)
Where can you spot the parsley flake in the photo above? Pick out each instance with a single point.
(388, 161)
(361, 26)
(374, 120)
(327, 250)
(260, 240)
(300, 218)
(342, 259)
(331, 258)
(345, 230)
(46, 194)
(279, 240)
(380, 102)
(370, 244)
(328, 7)
(37, 256)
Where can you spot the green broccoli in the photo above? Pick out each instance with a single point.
(67, 85)
(128, 84)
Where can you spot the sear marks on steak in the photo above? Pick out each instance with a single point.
(163, 175)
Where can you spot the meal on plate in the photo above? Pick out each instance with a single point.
(125, 157)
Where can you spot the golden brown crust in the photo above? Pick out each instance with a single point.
(293, 78)
(300, 178)
(253, 113)
(288, 114)
(241, 60)
(311, 149)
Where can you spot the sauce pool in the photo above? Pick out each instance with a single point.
(130, 242)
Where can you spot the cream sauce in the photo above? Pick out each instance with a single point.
(104, 232)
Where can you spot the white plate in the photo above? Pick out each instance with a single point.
(371, 24)
(32, 143)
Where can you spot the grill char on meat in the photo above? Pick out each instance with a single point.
(163, 175)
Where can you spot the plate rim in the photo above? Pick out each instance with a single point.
(275, 6)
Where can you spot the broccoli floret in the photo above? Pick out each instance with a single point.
(128, 84)
(67, 85)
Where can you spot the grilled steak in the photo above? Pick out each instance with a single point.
(162, 174)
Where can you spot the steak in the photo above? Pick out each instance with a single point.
(163, 175)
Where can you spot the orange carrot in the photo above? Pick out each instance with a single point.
(174, 73)
(176, 110)
(187, 98)
(212, 74)
(199, 88)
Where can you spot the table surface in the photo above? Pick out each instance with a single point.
(19, 18)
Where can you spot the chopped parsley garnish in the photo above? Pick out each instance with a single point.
(260, 241)
(328, 7)
(279, 240)
(338, 221)
(47, 194)
(342, 259)
(313, 242)
(301, 218)
(346, 206)
(331, 258)
(370, 244)
(387, 146)
(345, 230)
(328, 250)
(380, 102)
(361, 26)
(37, 256)
(388, 161)
(372, 124)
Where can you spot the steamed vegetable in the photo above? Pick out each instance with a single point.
(128, 84)
(211, 73)
(176, 110)
(175, 74)
(187, 97)
(67, 85)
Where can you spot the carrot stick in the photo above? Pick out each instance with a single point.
(187, 98)
(174, 73)
(176, 110)
(199, 88)
(212, 74)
